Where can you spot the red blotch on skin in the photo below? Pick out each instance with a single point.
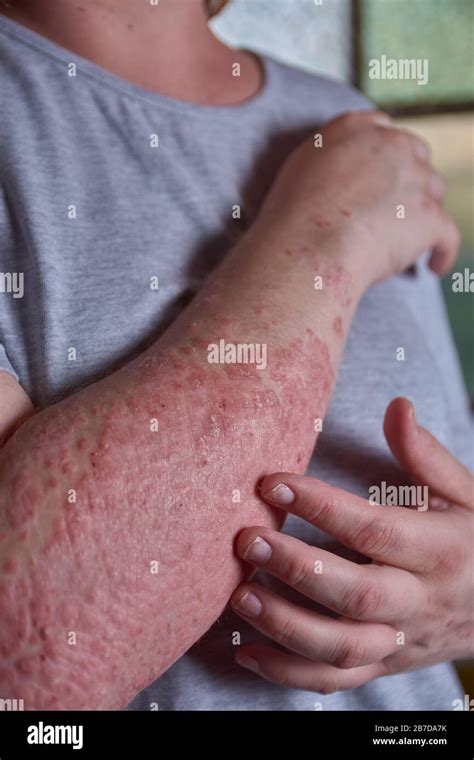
(322, 224)
(24, 501)
(228, 322)
(288, 252)
(201, 343)
(340, 281)
(258, 311)
(186, 350)
(10, 566)
(337, 327)
(81, 444)
(345, 212)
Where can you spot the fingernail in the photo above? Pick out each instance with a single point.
(413, 414)
(247, 662)
(250, 605)
(258, 551)
(280, 494)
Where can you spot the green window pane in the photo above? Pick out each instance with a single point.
(416, 52)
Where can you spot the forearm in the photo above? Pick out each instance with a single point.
(120, 504)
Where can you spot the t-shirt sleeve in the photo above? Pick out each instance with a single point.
(5, 364)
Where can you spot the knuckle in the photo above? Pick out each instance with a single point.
(298, 572)
(286, 632)
(350, 653)
(377, 133)
(395, 138)
(379, 536)
(347, 121)
(421, 148)
(363, 601)
(403, 141)
(429, 204)
(321, 506)
(450, 560)
(347, 118)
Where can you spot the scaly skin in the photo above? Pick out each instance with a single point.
(165, 496)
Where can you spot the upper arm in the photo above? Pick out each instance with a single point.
(15, 405)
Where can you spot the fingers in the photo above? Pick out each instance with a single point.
(361, 592)
(295, 672)
(409, 140)
(435, 185)
(424, 458)
(446, 242)
(342, 643)
(388, 534)
(341, 126)
(444, 236)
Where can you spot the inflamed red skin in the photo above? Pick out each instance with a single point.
(118, 506)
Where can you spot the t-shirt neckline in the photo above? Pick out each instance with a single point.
(123, 86)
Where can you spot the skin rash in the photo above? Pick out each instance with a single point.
(81, 572)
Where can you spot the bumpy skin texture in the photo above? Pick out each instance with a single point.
(87, 619)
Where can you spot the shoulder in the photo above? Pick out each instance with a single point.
(312, 95)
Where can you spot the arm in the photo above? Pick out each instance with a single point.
(116, 538)
(15, 405)
(139, 564)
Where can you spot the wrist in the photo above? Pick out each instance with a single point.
(339, 255)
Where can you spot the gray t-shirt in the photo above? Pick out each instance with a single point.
(103, 186)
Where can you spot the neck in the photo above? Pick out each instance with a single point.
(166, 48)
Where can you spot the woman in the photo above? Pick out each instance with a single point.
(138, 150)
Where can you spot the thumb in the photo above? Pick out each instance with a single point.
(423, 457)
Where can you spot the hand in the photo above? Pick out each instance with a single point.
(354, 185)
(410, 608)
